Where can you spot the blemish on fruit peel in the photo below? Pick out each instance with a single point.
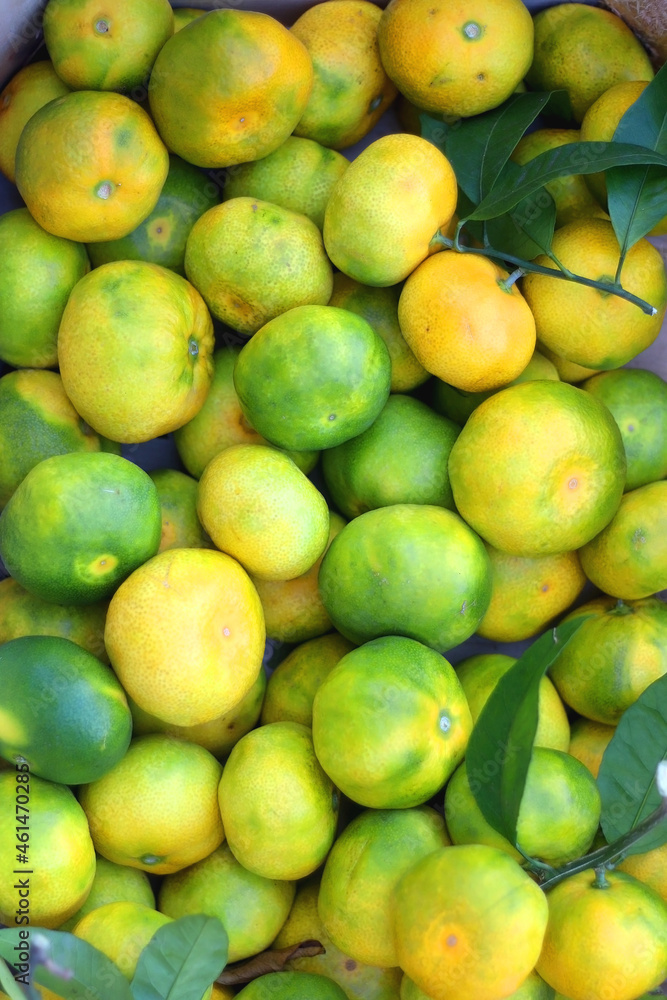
(445, 722)
(452, 940)
(102, 27)
(573, 483)
(104, 190)
(226, 631)
(472, 30)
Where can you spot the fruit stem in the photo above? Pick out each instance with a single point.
(507, 282)
(606, 856)
(600, 878)
(613, 288)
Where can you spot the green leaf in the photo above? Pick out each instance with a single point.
(479, 147)
(95, 977)
(573, 158)
(627, 773)
(501, 743)
(10, 988)
(181, 960)
(637, 196)
(528, 229)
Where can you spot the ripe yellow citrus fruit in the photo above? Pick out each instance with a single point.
(537, 470)
(28, 91)
(260, 508)
(528, 593)
(610, 331)
(479, 675)
(558, 817)
(568, 371)
(229, 89)
(292, 685)
(464, 324)
(469, 923)
(78, 525)
(298, 175)
(284, 830)
(251, 908)
(601, 120)
(457, 58)
(358, 980)
(617, 652)
(650, 868)
(638, 403)
(220, 421)
(588, 742)
(390, 723)
(628, 558)
(157, 809)
(21, 613)
(181, 528)
(386, 209)
(106, 46)
(252, 261)
(355, 901)
(121, 931)
(624, 950)
(113, 884)
(293, 609)
(39, 272)
(532, 988)
(379, 307)
(161, 237)
(400, 458)
(362, 577)
(90, 166)
(59, 852)
(185, 634)
(324, 366)
(350, 88)
(571, 194)
(458, 405)
(584, 50)
(217, 736)
(37, 420)
(150, 371)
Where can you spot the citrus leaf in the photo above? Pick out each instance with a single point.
(637, 196)
(627, 773)
(479, 147)
(9, 987)
(528, 229)
(573, 158)
(181, 960)
(501, 743)
(93, 975)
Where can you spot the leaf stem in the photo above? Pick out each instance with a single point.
(529, 266)
(610, 852)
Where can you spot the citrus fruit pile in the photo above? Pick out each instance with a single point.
(381, 445)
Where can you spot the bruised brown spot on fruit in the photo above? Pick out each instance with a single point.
(350, 964)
